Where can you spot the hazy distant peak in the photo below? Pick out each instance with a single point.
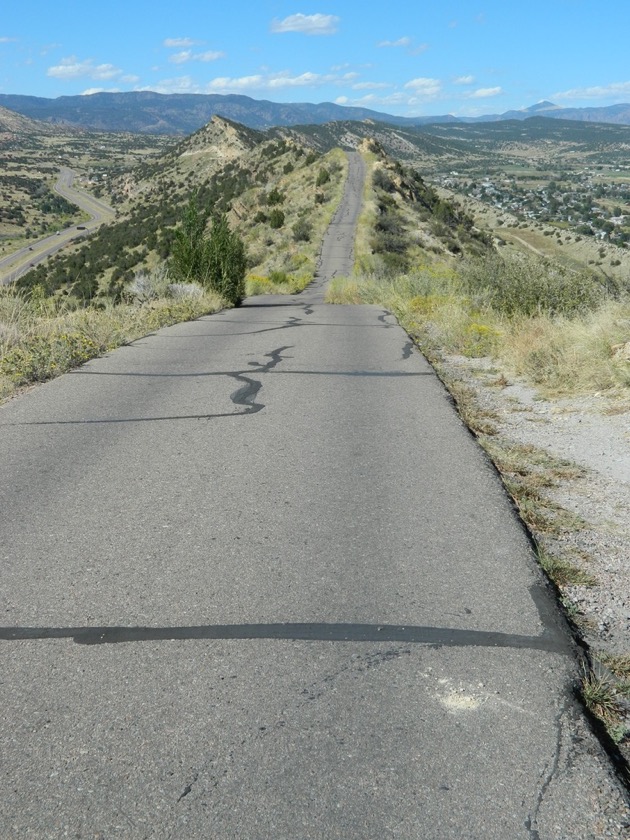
(545, 105)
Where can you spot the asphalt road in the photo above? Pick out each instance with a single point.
(260, 582)
(13, 266)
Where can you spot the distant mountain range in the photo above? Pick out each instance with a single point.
(183, 113)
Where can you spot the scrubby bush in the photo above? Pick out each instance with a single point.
(302, 230)
(382, 181)
(181, 291)
(518, 285)
(323, 177)
(226, 261)
(276, 218)
(275, 197)
(188, 252)
(149, 285)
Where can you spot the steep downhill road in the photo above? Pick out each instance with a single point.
(260, 582)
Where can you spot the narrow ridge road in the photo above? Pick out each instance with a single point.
(259, 582)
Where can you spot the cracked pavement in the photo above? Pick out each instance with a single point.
(301, 607)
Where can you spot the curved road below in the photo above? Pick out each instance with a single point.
(19, 262)
(259, 581)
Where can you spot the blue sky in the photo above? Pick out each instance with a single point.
(410, 58)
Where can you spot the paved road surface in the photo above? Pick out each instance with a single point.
(13, 266)
(259, 582)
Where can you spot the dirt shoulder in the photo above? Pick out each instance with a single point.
(572, 457)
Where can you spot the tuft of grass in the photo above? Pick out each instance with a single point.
(563, 573)
(525, 459)
(538, 511)
(341, 290)
(478, 419)
(571, 355)
(527, 471)
(602, 700)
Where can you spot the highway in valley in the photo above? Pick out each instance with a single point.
(13, 266)
(260, 582)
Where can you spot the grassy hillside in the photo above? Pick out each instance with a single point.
(267, 186)
(565, 328)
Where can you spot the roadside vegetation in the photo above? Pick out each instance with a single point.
(42, 337)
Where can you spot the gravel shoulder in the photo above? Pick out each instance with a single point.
(593, 433)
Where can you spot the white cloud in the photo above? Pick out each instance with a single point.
(49, 48)
(303, 80)
(5, 40)
(188, 55)
(613, 90)
(258, 82)
(180, 57)
(427, 88)
(401, 42)
(308, 24)
(179, 43)
(485, 93)
(72, 68)
(371, 100)
(181, 84)
(225, 84)
(285, 80)
(209, 55)
(464, 80)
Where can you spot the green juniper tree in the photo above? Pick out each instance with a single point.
(188, 251)
(216, 260)
(226, 261)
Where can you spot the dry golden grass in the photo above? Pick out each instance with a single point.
(570, 356)
(40, 339)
